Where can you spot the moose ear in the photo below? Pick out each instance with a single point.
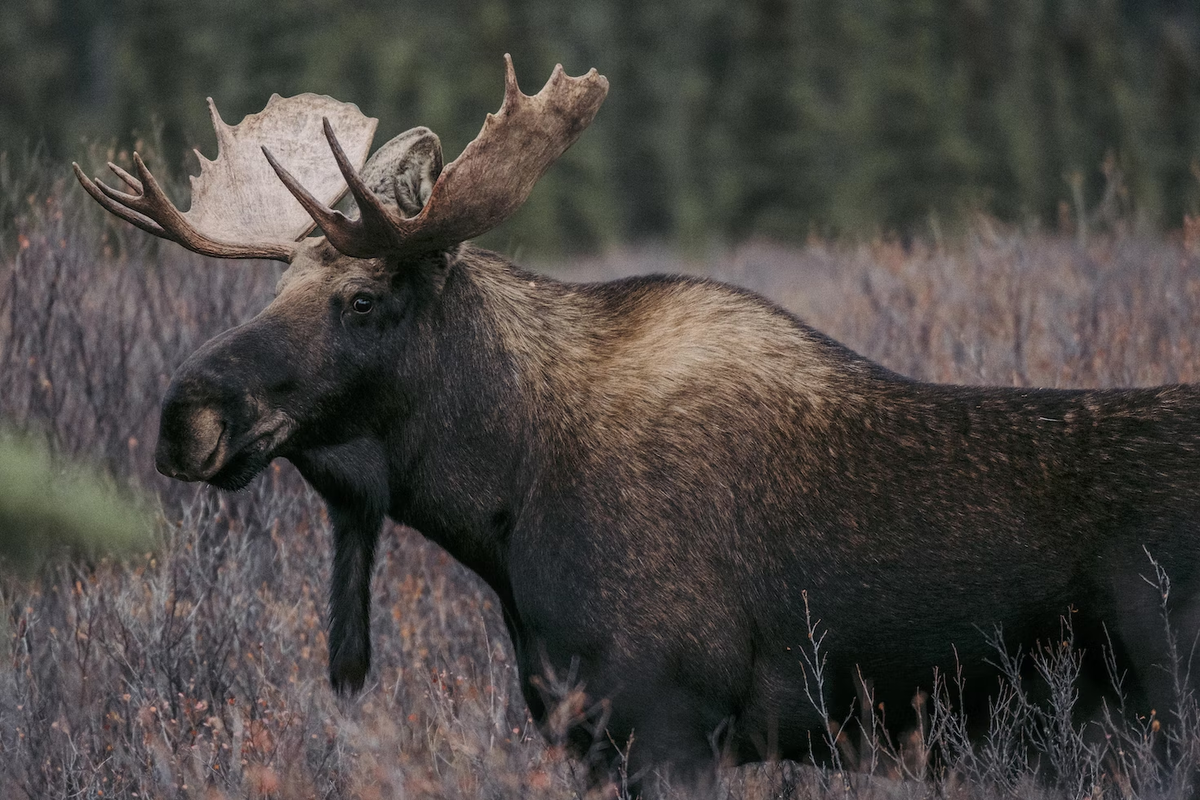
(404, 170)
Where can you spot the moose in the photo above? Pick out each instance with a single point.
(668, 482)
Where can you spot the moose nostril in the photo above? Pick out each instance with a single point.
(171, 472)
(207, 427)
(190, 444)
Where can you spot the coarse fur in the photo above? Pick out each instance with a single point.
(655, 475)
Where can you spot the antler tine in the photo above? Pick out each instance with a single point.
(154, 203)
(104, 195)
(151, 210)
(479, 190)
(238, 209)
(496, 172)
(115, 194)
(512, 91)
(124, 201)
(342, 232)
(376, 221)
(130, 181)
(378, 230)
(488, 182)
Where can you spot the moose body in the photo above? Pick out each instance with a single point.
(671, 484)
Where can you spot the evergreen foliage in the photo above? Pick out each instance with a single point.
(726, 120)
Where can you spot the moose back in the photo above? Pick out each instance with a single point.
(668, 482)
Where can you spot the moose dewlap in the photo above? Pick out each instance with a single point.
(665, 480)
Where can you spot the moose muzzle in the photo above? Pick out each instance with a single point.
(192, 442)
(203, 418)
(215, 425)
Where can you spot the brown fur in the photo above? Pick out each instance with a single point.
(655, 474)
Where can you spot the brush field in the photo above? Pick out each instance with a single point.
(198, 670)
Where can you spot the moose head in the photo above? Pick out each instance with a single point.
(282, 383)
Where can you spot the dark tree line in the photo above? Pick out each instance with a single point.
(725, 120)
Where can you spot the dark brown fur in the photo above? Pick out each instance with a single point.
(653, 473)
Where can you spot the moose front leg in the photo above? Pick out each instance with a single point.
(352, 477)
(355, 534)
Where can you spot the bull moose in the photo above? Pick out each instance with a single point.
(665, 480)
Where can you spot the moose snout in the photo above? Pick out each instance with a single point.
(202, 415)
(191, 442)
(220, 416)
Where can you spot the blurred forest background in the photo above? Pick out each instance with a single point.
(726, 120)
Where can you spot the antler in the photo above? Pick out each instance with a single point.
(238, 208)
(488, 182)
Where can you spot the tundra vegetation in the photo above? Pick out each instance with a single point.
(199, 669)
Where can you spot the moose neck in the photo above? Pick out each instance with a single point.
(463, 454)
(514, 383)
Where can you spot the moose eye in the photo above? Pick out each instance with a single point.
(362, 304)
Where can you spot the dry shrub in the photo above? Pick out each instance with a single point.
(198, 670)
